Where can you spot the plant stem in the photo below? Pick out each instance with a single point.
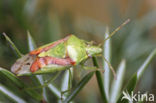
(99, 80)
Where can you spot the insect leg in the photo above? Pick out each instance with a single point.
(34, 67)
(92, 68)
(38, 63)
(110, 66)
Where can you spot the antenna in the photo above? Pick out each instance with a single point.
(117, 29)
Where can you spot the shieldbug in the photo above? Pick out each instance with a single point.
(58, 55)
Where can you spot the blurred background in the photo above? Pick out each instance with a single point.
(50, 20)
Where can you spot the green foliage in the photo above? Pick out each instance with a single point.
(131, 44)
(78, 88)
(17, 83)
(115, 93)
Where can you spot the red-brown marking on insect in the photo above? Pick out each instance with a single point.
(36, 52)
(58, 61)
(34, 67)
(43, 61)
(73, 62)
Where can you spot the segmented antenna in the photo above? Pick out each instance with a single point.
(117, 29)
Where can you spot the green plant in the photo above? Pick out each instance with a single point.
(15, 88)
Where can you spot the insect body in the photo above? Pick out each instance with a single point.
(56, 56)
(59, 55)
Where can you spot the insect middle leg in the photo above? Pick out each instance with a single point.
(92, 68)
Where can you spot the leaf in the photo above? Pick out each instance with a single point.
(13, 45)
(66, 84)
(143, 67)
(99, 80)
(11, 95)
(117, 83)
(11, 77)
(78, 88)
(31, 43)
(66, 81)
(54, 90)
(136, 77)
(18, 83)
(107, 55)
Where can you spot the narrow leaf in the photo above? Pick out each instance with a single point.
(136, 77)
(13, 45)
(31, 43)
(107, 55)
(18, 83)
(117, 83)
(54, 90)
(99, 80)
(11, 95)
(145, 64)
(78, 88)
(11, 77)
(66, 82)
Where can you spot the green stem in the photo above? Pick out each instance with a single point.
(99, 80)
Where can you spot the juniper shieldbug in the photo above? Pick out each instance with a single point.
(57, 56)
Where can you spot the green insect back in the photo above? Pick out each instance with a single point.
(73, 48)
